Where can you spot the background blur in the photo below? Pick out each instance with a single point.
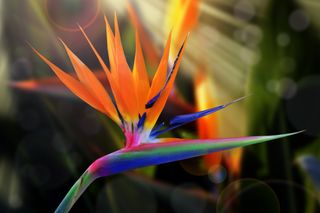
(267, 49)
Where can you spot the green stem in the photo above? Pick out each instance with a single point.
(75, 192)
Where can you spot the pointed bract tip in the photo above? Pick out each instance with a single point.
(286, 134)
(60, 39)
(106, 20)
(236, 100)
(34, 49)
(28, 43)
(301, 131)
(79, 26)
(187, 36)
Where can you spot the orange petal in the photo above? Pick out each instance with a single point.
(110, 46)
(123, 67)
(125, 77)
(119, 94)
(140, 77)
(111, 78)
(154, 112)
(93, 84)
(75, 86)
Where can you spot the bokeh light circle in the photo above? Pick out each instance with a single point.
(244, 10)
(283, 39)
(285, 88)
(217, 174)
(299, 20)
(67, 14)
(248, 195)
(249, 35)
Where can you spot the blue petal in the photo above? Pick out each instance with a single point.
(153, 100)
(183, 119)
(141, 120)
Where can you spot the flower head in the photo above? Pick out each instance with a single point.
(137, 103)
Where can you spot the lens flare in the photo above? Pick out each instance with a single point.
(66, 14)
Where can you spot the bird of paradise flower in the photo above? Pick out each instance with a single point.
(136, 107)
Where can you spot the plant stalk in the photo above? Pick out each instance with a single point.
(75, 192)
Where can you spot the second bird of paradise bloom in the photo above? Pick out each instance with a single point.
(135, 107)
(208, 127)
